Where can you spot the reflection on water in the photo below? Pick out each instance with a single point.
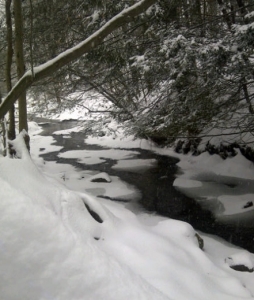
(205, 213)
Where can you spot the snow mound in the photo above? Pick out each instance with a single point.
(47, 242)
(242, 258)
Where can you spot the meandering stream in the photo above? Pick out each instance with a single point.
(156, 187)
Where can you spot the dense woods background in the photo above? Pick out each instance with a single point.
(182, 70)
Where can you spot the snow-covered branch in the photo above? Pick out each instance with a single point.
(64, 58)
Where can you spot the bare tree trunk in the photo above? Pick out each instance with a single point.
(233, 13)
(18, 20)
(31, 37)
(19, 52)
(247, 98)
(11, 130)
(225, 14)
(185, 16)
(212, 12)
(2, 124)
(243, 10)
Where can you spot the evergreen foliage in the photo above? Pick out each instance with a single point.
(179, 70)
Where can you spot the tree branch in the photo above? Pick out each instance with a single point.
(73, 53)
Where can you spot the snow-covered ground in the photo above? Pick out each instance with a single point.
(53, 247)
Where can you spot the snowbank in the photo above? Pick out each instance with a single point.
(60, 244)
(47, 243)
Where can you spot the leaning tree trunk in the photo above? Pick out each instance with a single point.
(9, 55)
(19, 53)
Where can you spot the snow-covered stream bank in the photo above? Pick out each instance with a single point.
(51, 247)
(151, 178)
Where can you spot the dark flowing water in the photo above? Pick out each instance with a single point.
(156, 187)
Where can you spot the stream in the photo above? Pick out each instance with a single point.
(156, 187)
